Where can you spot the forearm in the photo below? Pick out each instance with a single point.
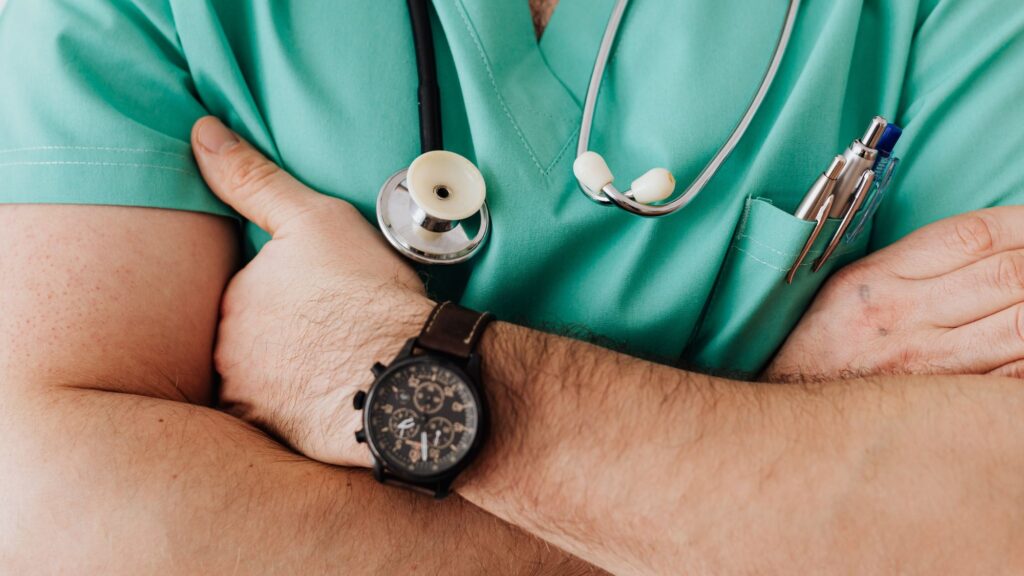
(642, 468)
(112, 483)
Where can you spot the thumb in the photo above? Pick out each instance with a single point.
(246, 180)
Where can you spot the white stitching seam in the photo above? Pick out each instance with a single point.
(501, 100)
(96, 148)
(105, 164)
(566, 146)
(766, 246)
(808, 261)
(430, 324)
(476, 325)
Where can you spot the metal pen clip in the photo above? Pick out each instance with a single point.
(816, 205)
(864, 184)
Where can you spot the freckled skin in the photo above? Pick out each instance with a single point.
(865, 293)
(956, 312)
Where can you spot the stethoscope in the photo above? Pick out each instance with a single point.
(422, 209)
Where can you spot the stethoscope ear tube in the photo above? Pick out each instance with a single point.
(625, 200)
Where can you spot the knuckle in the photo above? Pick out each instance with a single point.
(1009, 272)
(250, 173)
(327, 211)
(1018, 323)
(338, 208)
(1015, 370)
(975, 234)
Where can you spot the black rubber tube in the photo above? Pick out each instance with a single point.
(429, 94)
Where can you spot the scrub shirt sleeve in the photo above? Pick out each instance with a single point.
(963, 114)
(96, 107)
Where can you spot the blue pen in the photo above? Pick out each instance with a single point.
(885, 166)
(886, 143)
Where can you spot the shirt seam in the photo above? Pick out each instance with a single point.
(100, 164)
(95, 149)
(461, 8)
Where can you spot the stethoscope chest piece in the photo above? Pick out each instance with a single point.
(421, 210)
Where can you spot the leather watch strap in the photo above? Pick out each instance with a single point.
(453, 330)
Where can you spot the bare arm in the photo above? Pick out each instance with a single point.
(703, 474)
(110, 462)
(644, 469)
(636, 467)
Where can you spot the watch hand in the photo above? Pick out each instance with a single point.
(437, 436)
(423, 445)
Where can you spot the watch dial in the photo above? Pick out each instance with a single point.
(423, 418)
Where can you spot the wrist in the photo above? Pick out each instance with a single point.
(509, 362)
(424, 419)
(401, 319)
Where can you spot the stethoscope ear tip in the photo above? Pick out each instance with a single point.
(594, 176)
(655, 185)
(592, 172)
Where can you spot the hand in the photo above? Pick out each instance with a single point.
(948, 299)
(304, 321)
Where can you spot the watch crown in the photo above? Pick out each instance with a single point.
(378, 369)
(359, 400)
(361, 436)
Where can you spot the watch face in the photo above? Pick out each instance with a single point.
(423, 417)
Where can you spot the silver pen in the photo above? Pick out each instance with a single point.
(815, 207)
(860, 193)
(821, 189)
(860, 156)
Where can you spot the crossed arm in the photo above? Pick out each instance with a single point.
(113, 463)
(107, 328)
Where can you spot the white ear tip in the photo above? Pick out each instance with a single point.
(592, 171)
(445, 185)
(654, 186)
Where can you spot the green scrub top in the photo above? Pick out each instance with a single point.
(97, 99)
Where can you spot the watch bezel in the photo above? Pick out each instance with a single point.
(390, 467)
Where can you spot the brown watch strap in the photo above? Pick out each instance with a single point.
(453, 330)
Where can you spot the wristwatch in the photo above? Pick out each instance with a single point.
(425, 415)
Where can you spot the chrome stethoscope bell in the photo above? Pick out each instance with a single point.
(421, 210)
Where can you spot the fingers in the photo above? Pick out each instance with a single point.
(245, 180)
(955, 242)
(977, 290)
(991, 342)
(1012, 370)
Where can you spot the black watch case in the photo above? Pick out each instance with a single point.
(386, 468)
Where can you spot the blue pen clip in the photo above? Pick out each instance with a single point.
(885, 168)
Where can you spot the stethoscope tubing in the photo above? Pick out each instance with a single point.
(428, 92)
(610, 195)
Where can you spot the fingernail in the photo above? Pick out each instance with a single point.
(215, 136)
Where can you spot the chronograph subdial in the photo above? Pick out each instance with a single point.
(422, 418)
(405, 423)
(429, 398)
(440, 432)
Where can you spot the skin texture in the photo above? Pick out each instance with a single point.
(645, 469)
(107, 324)
(948, 299)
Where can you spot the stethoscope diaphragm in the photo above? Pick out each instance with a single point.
(424, 210)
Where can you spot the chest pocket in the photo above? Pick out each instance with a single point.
(752, 309)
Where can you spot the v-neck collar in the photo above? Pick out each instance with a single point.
(514, 97)
(570, 42)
